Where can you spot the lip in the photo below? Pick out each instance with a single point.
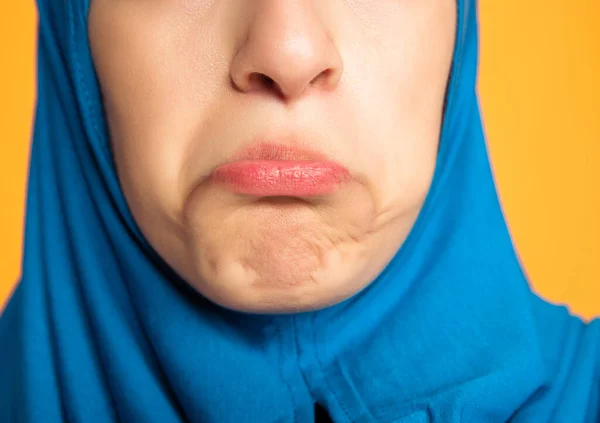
(268, 169)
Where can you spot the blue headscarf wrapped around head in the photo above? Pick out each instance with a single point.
(100, 329)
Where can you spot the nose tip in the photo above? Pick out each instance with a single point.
(286, 53)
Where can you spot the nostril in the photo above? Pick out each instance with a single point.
(324, 77)
(261, 80)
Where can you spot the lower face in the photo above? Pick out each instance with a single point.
(275, 153)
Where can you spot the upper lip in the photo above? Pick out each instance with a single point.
(275, 151)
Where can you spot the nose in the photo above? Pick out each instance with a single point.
(287, 51)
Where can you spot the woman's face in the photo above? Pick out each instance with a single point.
(191, 87)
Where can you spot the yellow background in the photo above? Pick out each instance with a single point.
(540, 91)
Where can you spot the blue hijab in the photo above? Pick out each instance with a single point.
(100, 330)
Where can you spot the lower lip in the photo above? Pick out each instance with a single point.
(281, 177)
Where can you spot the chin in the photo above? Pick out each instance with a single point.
(265, 299)
(280, 274)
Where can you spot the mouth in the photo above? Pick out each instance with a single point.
(268, 170)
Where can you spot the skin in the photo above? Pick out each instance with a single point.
(187, 84)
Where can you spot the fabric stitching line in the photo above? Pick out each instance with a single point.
(321, 369)
(281, 375)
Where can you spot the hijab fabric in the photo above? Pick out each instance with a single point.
(100, 330)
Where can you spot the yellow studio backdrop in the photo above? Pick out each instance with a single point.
(540, 96)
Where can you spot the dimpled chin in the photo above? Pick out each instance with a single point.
(282, 275)
(266, 258)
(277, 254)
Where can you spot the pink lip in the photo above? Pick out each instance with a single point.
(279, 170)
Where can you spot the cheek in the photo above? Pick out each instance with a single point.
(401, 100)
(398, 135)
(158, 88)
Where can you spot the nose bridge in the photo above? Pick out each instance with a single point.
(287, 46)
